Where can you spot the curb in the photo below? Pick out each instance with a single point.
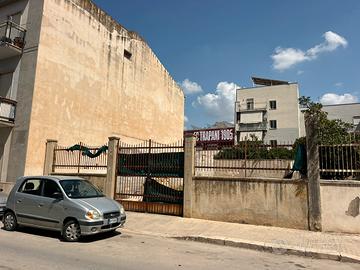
(275, 248)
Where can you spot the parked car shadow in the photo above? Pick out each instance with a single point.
(56, 235)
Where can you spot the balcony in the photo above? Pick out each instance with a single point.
(7, 112)
(252, 126)
(12, 40)
(258, 107)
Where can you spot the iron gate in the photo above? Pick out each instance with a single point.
(150, 177)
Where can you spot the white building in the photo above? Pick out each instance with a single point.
(349, 113)
(269, 110)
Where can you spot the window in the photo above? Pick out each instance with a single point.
(80, 189)
(238, 116)
(273, 124)
(272, 104)
(31, 186)
(250, 104)
(127, 54)
(51, 188)
(273, 143)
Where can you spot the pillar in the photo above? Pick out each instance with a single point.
(111, 174)
(189, 172)
(313, 173)
(49, 156)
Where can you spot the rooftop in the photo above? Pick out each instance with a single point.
(344, 104)
(267, 82)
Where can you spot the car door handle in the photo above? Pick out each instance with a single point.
(19, 201)
(41, 204)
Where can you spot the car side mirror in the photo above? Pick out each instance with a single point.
(58, 195)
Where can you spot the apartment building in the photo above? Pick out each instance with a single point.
(268, 111)
(70, 72)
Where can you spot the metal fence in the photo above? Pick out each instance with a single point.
(340, 161)
(247, 159)
(66, 159)
(151, 177)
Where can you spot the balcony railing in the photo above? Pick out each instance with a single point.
(7, 110)
(12, 39)
(252, 126)
(257, 107)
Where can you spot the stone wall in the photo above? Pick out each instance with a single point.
(340, 206)
(270, 202)
(87, 88)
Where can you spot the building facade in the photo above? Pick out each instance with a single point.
(70, 72)
(349, 113)
(268, 111)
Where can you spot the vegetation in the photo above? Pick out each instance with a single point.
(330, 131)
(255, 149)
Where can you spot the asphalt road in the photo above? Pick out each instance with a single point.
(37, 249)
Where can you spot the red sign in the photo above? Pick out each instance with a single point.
(213, 137)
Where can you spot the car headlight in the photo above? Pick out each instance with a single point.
(93, 215)
(122, 210)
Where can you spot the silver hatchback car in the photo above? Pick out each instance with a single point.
(70, 205)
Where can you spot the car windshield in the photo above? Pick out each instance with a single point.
(80, 189)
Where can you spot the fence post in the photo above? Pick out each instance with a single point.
(111, 167)
(49, 156)
(189, 172)
(313, 173)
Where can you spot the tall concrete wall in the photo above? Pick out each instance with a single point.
(254, 201)
(87, 90)
(340, 206)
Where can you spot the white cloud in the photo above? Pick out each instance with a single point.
(186, 119)
(339, 84)
(331, 98)
(190, 87)
(332, 42)
(285, 58)
(299, 72)
(220, 104)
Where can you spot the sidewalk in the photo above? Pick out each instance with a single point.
(333, 246)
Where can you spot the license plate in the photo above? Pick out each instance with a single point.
(112, 220)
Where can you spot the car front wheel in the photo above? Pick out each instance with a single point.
(71, 231)
(10, 222)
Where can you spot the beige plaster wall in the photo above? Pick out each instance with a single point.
(340, 205)
(86, 90)
(6, 186)
(252, 201)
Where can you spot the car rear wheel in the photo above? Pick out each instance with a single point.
(10, 222)
(71, 231)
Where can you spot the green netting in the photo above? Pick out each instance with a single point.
(86, 151)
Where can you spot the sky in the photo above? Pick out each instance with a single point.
(212, 47)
